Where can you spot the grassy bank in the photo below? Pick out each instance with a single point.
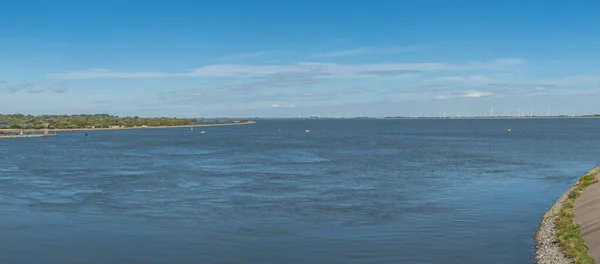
(568, 233)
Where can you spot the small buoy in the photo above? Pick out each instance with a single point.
(307, 131)
(201, 132)
(508, 130)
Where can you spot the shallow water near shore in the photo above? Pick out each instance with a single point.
(359, 191)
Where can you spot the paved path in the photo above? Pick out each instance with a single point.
(587, 213)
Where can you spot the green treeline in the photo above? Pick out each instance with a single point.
(19, 121)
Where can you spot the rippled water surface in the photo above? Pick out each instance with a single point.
(350, 191)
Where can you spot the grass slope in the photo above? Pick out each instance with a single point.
(568, 232)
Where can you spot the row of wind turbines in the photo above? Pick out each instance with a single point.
(519, 113)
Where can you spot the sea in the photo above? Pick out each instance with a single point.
(291, 191)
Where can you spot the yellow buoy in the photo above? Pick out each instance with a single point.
(508, 130)
(201, 132)
(307, 131)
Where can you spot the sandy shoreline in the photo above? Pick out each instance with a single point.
(547, 248)
(27, 136)
(129, 128)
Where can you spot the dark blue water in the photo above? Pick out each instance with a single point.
(353, 191)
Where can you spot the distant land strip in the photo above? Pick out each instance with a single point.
(28, 136)
(425, 118)
(497, 117)
(130, 128)
(152, 127)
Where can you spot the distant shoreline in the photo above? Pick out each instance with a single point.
(28, 136)
(491, 118)
(127, 128)
(426, 118)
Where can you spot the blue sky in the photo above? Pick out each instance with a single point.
(291, 58)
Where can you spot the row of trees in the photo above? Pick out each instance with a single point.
(19, 121)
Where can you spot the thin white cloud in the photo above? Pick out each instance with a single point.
(36, 89)
(468, 79)
(572, 81)
(243, 69)
(108, 74)
(512, 82)
(363, 51)
(250, 55)
(391, 72)
(31, 88)
(58, 88)
(477, 94)
(281, 106)
(331, 69)
(16, 88)
(509, 62)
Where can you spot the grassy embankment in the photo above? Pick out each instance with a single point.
(568, 233)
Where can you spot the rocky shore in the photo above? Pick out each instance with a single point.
(547, 248)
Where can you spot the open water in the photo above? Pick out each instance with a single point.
(350, 191)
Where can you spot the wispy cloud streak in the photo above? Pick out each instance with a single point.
(58, 88)
(477, 94)
(16, 88)
(331, 69)
(250, 55)
(364, 51)
(36, 89)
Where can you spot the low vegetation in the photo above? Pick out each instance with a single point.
(19, 121)
(568, 232)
